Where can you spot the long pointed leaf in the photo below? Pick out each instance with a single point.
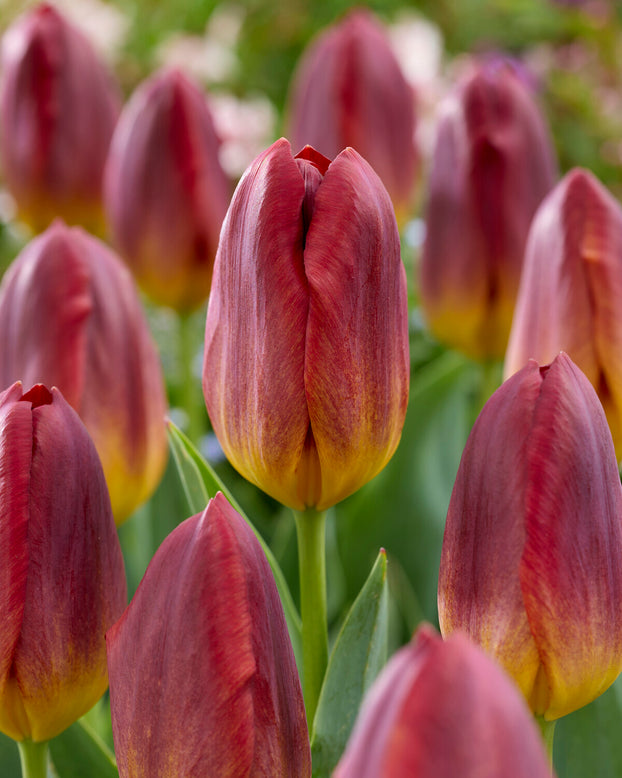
(359, 654)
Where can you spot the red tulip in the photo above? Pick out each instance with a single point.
(62, 582)
(443, 709)
(493, 163)
(70, 317)
(58, 108)
(349, 90)
(165, 191)
(306, 344)
(570, 294)
(203, 680)
(531, 567)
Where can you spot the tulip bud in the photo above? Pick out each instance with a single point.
(166, 193)
(62, 582)
(202, 673)
(570, 294)
(58, 108)
(306, 343)
(70, 317)
(442, 709)
(492, 164)
(349, 90)
(531, 566)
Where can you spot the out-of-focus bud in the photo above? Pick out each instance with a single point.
(570, 294)
(70, 317)
(493, 162)
(531, 566)
(306, 365)
(442, 709)
(202, 673)
(349, 90)
(62, 582)
(166, 193)
(58, 108)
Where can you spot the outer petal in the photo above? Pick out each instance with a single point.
(71, 318)
(492, 164)
(253, 372)
(479, 590)
(568, 299)
(440, 710)
(166, 193)
(75, 583)
(357, 364)
(58, 108)
(203, 678)
(349, 90)
(571, 569)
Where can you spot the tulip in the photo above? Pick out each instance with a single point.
(531, 566)
(349, 90)
(306, 364)
(58, 108)
(569, 298)
(61, 569)
(166, 193)
(442, 709)
(203, 680)
(70, 317)
(492, 164)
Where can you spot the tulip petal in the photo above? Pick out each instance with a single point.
(58, 667)
(479, 591)
(255, 330)
(571, 569)
(442, 709)
(356, 363)
(572, 282)
(203, 680)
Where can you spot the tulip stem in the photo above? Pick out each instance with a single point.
(34, 758)
(547, 728)
(311, 531)
(189, 381)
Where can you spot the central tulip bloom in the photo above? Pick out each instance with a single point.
(443, 709)
(306, 365)
(203, 680)
(62, 582)
(531, 566)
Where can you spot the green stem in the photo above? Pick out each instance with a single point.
(547, 728)
(187, 353)
(491, 377)
(311, 531)
(34, 759)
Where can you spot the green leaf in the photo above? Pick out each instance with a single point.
(78, 752)
(359, 654)
(588, 741)
(200, 483)
(9, 758)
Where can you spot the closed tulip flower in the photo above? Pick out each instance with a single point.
(569, 298)
(58, 108)
(70, 317)
(62, 582)
(306, 344)
(166, 193)
(531, 566)
(203, 680)
(442, 709)
(492, 164)
(349, 90)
